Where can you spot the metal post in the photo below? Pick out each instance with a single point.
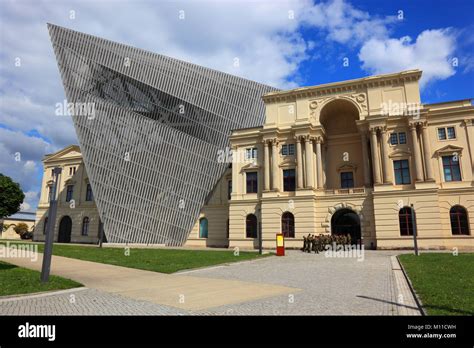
(413, 219)
(48, 244)
(101, 232)
(260, 237)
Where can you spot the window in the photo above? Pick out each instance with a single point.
(72, 170)
(451, 133)
(85, 226)
(398, 138)
(252, 184)
(69, 192)
(288, 225)
(442, 133)
(406, 222)
(251, 226)
(451, 168)
(347, 180)
(229, 189)
(459, 221)
(289, 180)
(393, 139)
(288, 150)
(446, 133)
(50, 193)
(251, 153)
(89, 196)
(52, 172)
(45, 226)
(227, 229)
(402, 172)
(402, 138)
(203, 228)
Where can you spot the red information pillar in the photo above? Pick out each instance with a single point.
(280, 240)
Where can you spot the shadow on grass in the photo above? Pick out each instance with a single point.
(5, 266)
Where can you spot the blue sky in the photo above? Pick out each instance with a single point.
(283, 43)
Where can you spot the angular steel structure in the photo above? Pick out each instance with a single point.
(151, 132)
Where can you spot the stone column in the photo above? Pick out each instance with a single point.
(319, 163)
(365, 158)
(427, 152)
(266, 165)
(275, 183)
(309, 161)
(375, 155)
(299, 163)
(387, 172)
(469, 125)
(416, 153)
(235, 170)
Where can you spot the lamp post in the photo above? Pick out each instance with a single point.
(413, 219)
(48, 244)
(260, 237)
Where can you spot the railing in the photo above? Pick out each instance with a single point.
(345, 191)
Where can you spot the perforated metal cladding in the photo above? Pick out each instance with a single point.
(150, 147)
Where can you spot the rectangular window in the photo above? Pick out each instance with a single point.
(252, 182)
(50, 193)
(289, 180)
(229, 189)
(347, 180)
(393, 139)
(89, 196)
(402, 138)
(442, 133)
(69, 192)
(451, 133)
(451, 168)
(288, 150)
(251, 153)
(402, 172)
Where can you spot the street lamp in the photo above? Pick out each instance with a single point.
(48, 244)
(413, 220)
(260, 238)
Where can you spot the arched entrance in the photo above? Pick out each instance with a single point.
(346, 221)
(65, 225)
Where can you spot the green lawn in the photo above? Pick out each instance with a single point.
(157, 260)
(16, 280)
(444, 283)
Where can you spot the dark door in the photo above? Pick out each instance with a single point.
(64, 235)
(344, 222)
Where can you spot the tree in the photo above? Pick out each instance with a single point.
(11, 196)
(21, 228)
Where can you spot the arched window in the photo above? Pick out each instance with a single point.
(85, 226)
(406, 222)
(251, 226)
(459, 221)
(45, 226)
(288, 225)
(203, 228)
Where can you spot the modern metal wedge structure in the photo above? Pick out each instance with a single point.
(151, 132)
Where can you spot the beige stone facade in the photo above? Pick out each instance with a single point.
(351, 157)
(77, 216)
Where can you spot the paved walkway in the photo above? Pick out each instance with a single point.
(181, 291)
(296, 284)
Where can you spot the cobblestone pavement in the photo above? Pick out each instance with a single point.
(82, 301)
(329, 286)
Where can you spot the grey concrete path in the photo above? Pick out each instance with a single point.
(181, 291)
(296, 284)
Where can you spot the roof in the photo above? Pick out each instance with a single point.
(22, 215)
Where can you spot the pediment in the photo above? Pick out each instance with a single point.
(288, 162)
(70, 151)
(449, 149)
(399, 153)
(347, 167)
(250, 166)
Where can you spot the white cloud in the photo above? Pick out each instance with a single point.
(431, 52)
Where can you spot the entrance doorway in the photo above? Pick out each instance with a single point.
(346, 221)
(65, 225)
